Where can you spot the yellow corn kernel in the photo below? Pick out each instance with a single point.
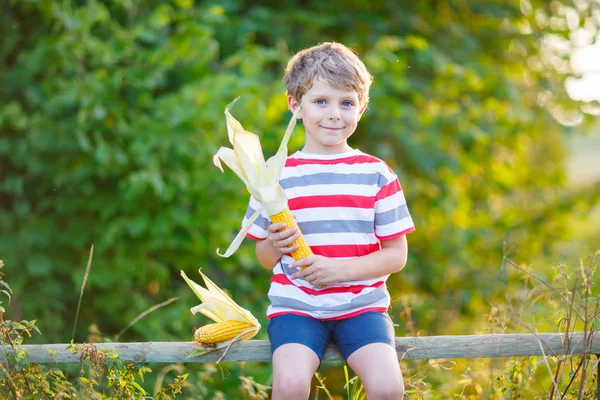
(287, 217)
(221, 331)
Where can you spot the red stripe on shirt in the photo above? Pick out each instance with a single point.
(360, 159)
(282, 279)
(388, 190)
(299, 203)
(346, 250)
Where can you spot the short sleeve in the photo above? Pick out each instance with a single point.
(392, 218)
(258, 230)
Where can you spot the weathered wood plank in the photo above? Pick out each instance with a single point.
(426, 347)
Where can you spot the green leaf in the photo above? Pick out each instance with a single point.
(39, 266)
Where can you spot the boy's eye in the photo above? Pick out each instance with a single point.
(320, 101)
(347, 104)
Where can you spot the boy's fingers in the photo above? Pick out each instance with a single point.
(304, 262)
(279, 228)
(291, 239)
(284, 236)
(276, 227)
(288, 250)
(290, 231)
(298, 275)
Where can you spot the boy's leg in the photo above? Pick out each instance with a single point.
(294, 365)
(367, 342)
(377, 366)
(298, 344)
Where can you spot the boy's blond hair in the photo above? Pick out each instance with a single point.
(332, 62)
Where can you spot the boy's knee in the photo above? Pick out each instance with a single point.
(389, 391)
(291, 386)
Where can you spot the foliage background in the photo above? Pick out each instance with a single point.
(110, 112)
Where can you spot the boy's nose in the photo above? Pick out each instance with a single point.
(334, 115)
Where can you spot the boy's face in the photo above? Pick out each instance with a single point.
(329, 116)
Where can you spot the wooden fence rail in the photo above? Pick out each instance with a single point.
(426, 347)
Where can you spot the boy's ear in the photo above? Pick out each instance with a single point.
(293, 104)
(362, 110)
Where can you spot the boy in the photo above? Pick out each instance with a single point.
(352, 212)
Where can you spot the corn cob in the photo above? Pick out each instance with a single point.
(223, 331)
(287, 217)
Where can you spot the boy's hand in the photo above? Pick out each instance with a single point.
(282, 240)
(319, 271)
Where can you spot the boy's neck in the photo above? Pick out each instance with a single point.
(330, 150)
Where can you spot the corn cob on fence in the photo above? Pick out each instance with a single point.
(223, 332)
(232, 322)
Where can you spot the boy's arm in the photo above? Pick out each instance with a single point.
(323, 271)
(266, 254)
(270, 250)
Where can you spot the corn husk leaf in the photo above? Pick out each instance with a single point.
(230, 159)
(276, 163)
(261, 178)
(233, 125)
(239, 238)
(216, 304)
(249, 154)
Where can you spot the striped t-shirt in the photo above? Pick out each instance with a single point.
(344, 205)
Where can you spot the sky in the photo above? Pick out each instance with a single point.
(584, 48)
(585, 61)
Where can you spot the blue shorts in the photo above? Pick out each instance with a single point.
(349, 334)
